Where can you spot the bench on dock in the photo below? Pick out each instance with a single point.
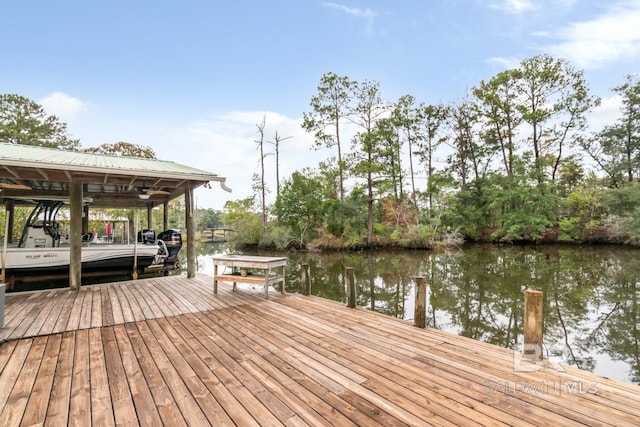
(255, 270)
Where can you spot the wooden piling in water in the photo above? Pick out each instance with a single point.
(533, 324)
(351, 288)
(420, 312)
(306, 280)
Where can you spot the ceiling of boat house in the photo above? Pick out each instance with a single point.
(38, 173)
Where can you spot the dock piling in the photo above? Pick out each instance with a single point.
(533, 324)
(306, 280)
(420, 313)
(351, 288)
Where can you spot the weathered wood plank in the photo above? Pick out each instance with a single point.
(58, 408)
(298, 337)
(165, 403)
(134, 303)
(12, 369)
(6, 349)
(36, 409)
(96, 307)
(253, 397)
(465, 362)
(194, 377)
(314, 376)
(107, 310)
(80, 401)
(48, 316)
(207, 368)
(124, 412)
(277, 376)
(179, 391)
(146, 411)
(379, 371)
(19, 307)
(66, 301)
(76, 309)
(18, 393)
(180, 296)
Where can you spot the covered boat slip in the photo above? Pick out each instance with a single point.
(167, 351)
(91, 180)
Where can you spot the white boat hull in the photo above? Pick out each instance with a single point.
(32, 260)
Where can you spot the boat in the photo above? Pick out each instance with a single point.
(42, 248)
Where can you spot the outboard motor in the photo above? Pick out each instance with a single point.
(147, 236)
(173, 240)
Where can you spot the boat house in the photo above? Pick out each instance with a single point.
(98, 181)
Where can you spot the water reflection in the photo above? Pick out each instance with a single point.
(591, 295)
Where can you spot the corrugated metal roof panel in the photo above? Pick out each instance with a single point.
(77, 161)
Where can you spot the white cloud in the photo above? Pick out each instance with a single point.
(504, 63)
(606, 114)
(614, 36)
(225, 144)
(367, 14)
(514, 7)
(62, 105)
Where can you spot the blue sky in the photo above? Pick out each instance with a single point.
(192, 79)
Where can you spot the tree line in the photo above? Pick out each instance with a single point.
(513, 160)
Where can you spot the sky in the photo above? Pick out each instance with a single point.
(194, 79)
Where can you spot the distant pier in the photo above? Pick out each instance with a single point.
(216, 235)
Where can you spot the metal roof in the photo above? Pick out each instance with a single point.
(112, 181)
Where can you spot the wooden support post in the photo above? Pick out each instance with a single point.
(420, 312)
(150, 217)
(2, 290)
(10, 212)
(351, 288)
(306, 280)
(165, 216)
(75, 245)
(190, 221)
(85, 217)
(533, 324)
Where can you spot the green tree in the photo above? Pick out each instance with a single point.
(470, 159)
(367, 144)
(554, 100)
(405, 115)
(432, 121)
(209, 218)
(23, 121)
(582, 212)
(498, 104)
(299, 205)
(123, 149)
(616, 148)
(239, 216)
(389, 157)
(524, 204)
(330, 108)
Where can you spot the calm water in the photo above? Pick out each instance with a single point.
(592, 294)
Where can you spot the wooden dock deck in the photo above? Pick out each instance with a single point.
(166, 351)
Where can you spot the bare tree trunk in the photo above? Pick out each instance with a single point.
(262, 186)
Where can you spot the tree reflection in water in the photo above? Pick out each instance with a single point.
(591, 317)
